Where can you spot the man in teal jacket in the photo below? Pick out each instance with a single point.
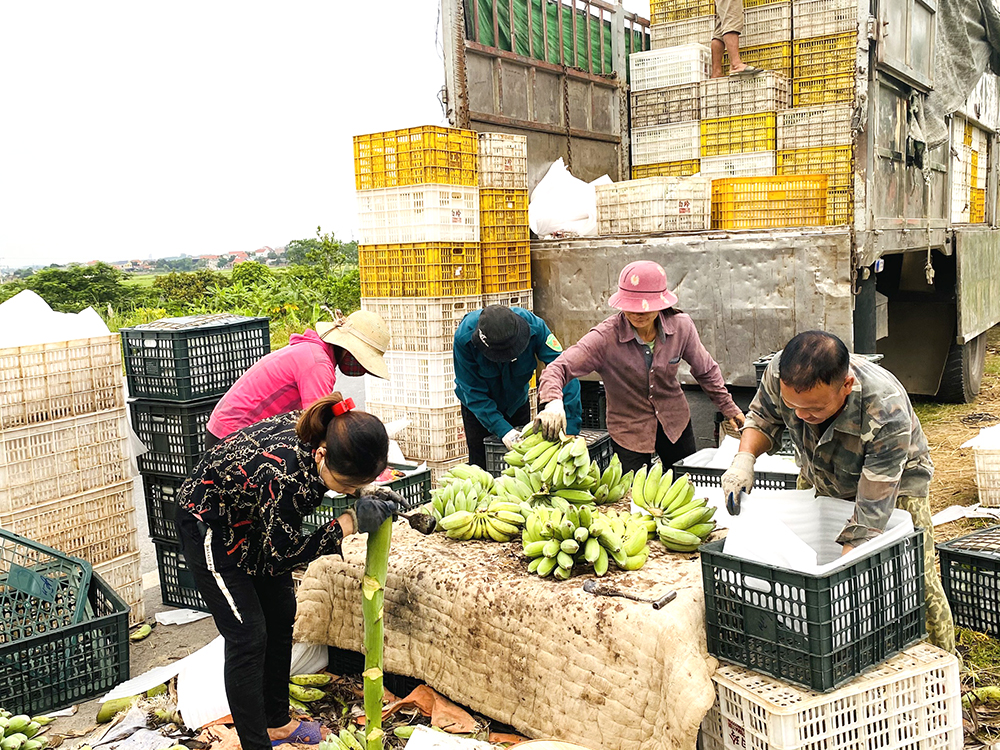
(495, 353)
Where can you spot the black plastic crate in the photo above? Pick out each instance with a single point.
(63, 667)
(174, 435)
(786, 449)
(761, 364)
(194, 357)
(161, 505)
(177, 587)
(814, 631)
(598, 446)
(595, 405)
(344, 662)
(415, 489)
(970, 572)
(704, 476)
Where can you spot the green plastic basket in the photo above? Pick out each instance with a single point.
(415, 489)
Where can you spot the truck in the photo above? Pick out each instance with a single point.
(912, 273)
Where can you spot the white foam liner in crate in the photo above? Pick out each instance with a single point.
(654, 204)
(814, 127)
(753, 164)
(913, 700)
(424, 381)
(697, 30)
(57, 459)
(503, 161)
(673, 66)
(815, 18)
(422, 324)
(732, 96)
(418, 213)
(766, 24)
(679, 142)
(431, 435)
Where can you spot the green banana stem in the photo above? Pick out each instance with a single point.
(373, 590)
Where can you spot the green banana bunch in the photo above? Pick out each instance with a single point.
(347, 739)
(21, 732)
(564, 464)
(682, 522)
(499, 520)
(463, 487)
(612, 486)
(304, 694)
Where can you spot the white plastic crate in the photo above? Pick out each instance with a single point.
(753, 164)
(673, 66)
(44, 382)
(503, 161)
(812, 127)
(432, 434)
(98, 526)
(814, 18)
(122, 574)
(913, 700)
(422, 324)
(59, 459)
(697, 30)
(423, 381)
(418, 213)
(987, 475)
(766, 24)
(523, 299)
(666, 143)
(654, 204)
(732, 96)
(666, 106)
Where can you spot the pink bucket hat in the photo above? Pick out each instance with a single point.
(642, 287)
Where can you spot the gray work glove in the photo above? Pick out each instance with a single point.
(552, 420)
(738, 478)
(375, 507)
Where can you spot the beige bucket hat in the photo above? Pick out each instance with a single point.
(364, 334)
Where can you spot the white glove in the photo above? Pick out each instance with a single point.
(552, 420)
(511, 439)
(738, 478)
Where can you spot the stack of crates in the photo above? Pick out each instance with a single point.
(421, 268)
(66, 478)
(177, 369)
(970, 155)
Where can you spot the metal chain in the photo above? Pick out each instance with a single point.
(462, 106)
(569, 139)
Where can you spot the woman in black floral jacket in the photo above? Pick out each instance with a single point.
(240, 525)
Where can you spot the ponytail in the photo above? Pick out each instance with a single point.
(357, 446)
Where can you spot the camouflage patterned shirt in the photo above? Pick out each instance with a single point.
(873, 451)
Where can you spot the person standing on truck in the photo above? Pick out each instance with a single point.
(295, 376)
(637, 353)
(726, 38)
(857, 438)
(239, 520)
(496, 351)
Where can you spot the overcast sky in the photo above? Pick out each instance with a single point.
(137, 130)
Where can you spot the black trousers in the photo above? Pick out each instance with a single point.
(254, 614)
(669, 453)
(475, 433)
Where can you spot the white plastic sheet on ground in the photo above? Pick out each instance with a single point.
(563, 205)
(988, 438)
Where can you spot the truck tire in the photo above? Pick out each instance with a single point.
(963, 371)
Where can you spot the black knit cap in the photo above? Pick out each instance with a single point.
(501, 334)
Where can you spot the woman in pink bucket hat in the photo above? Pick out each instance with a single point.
(637, 353)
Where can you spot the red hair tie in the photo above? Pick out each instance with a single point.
(342, 407)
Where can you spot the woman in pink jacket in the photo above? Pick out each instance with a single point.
(637, 353)
(295, 376)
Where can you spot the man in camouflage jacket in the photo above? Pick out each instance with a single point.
(856, 437)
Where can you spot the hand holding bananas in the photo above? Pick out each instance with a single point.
(682, 522)
(738, 478)
(372, 510)
(552, 420)
(511, 439)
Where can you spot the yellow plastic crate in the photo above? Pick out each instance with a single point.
(506, 266)
(738, 135)
(838, 89)
(977, 205)
(973, 168)
(683, 168)
(769, 202)
(968, 134)
(506, 219)
(416, 156)
(776, 56)
(667, 11)
(836, 162)
(840, 206)
(425, 269)
(825, 55)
